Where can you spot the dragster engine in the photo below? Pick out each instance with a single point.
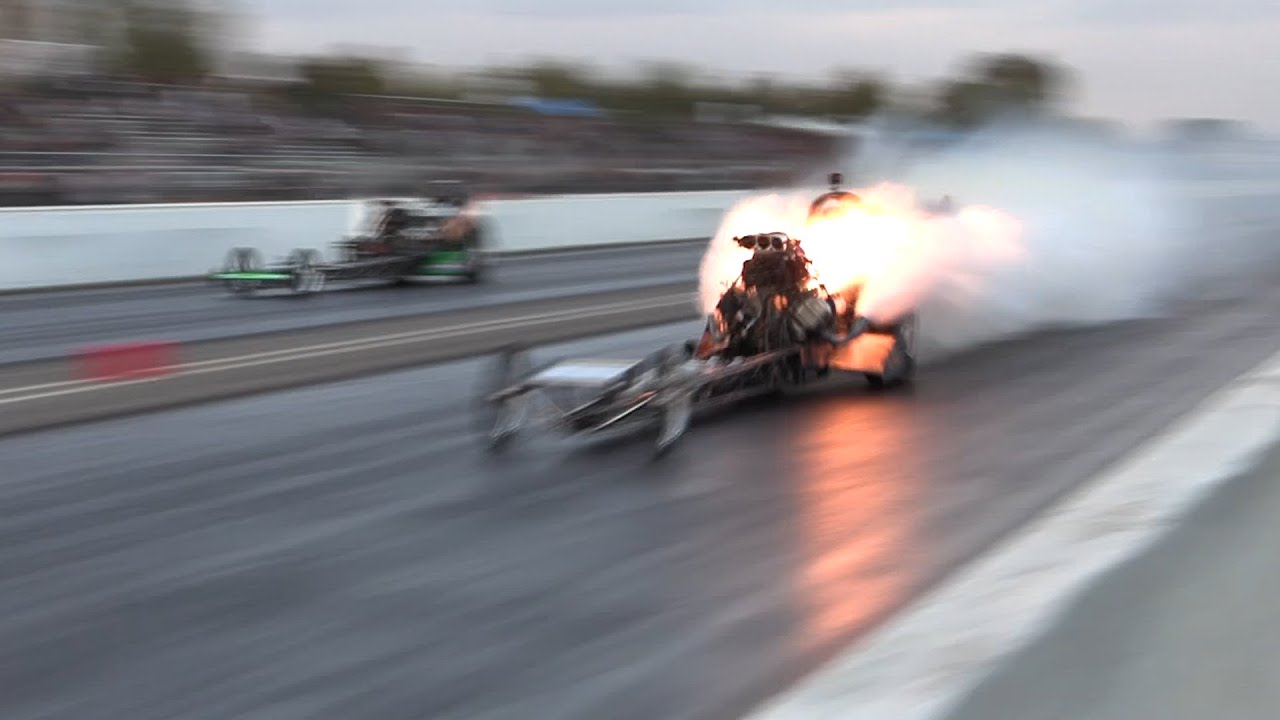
(775, 303)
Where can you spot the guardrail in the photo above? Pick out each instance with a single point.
(106, 244)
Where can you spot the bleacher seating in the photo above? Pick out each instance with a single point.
(101, 142)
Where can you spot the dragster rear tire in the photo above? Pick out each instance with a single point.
(473, 276)
(307, 278)
(900, 367)
(471, 245)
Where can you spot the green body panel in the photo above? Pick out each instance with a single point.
(447, 256)
(446, 263)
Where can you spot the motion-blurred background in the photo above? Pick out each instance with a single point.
(120, 101)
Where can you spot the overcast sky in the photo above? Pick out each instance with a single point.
(1136, 60)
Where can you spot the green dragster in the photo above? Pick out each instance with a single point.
(396, 241)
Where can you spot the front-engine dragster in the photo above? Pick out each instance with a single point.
(391, 240)
(775, 327)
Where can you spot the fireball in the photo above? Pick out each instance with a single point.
(875, 242)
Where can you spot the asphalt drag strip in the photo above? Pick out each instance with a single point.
(349, 550)
(42, 395)
(51, 323)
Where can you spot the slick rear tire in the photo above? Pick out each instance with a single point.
(903, 377)
(472, 246)
(900, 369)
(473, 276)
(307, 278)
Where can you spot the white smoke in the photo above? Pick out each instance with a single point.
(1054, 230)
(888, 245)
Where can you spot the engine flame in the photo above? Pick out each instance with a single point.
(898, 253)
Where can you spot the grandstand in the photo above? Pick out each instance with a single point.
(73, 138)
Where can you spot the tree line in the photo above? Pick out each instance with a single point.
(176, 41)
(988, 86)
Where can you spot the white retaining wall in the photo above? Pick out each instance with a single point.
(49, 247)
(43, 247)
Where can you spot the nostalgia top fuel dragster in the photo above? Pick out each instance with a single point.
(774, 327)
(392, 240)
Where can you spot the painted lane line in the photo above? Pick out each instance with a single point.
(44, 386)
(497, 323)
(921, 664)
(290, 354)
(314, 351)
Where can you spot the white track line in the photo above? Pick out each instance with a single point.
(70, 387)
(922, 663)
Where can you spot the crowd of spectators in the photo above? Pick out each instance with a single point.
(85, 141)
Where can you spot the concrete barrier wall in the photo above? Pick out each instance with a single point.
(572, 221)
(50, 247)
(68, 246)
(44, 247)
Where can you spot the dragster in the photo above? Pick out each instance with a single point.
(392, 240)
(774, 328)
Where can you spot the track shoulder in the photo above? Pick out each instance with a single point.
(923, 663)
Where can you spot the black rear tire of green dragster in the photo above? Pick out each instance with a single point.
(473, 247)
(307, 278)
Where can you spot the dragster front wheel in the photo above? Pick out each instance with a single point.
(501, 419)
(676, 417)
(243, 260)
(676, 404)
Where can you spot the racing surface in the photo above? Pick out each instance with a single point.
(44, 325)
(346, 550)
(42, 395)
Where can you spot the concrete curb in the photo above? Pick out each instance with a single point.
(923, 663)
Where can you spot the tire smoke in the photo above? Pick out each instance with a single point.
(1052, 229)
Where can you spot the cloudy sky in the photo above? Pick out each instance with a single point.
(1136, 60)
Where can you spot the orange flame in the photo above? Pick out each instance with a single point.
(894, 251)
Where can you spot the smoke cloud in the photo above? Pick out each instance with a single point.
(1051, 229)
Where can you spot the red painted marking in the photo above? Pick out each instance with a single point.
(127, 361)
